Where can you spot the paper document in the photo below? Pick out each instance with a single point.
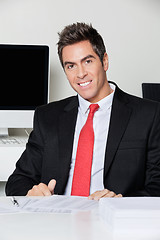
(7, 206)
(129, 212)
(131, 206)
(52, 204)
(57, 203)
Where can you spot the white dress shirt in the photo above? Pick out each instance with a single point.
(100, 125)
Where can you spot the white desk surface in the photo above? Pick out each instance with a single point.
(37, 226)
(65, 226)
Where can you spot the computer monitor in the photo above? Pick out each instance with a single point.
(24, 71)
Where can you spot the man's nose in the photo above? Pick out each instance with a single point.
(81, 72)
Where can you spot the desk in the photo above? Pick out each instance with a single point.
(8, 159)
(65, 226)
(10, 153)
(40, 226)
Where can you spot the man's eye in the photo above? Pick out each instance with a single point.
(88, 61)
(70, 66)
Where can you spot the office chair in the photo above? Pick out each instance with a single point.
(151, 91)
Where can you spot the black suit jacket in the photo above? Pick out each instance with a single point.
(132, 159)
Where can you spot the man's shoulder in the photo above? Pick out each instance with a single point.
(135, 100)
(141, 102)
(58, 106)
(136, 104)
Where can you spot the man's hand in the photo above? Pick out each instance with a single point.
(103, 194)
(42, 189)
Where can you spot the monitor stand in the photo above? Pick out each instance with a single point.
(4, 132)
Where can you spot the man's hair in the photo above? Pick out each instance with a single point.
(78, 32)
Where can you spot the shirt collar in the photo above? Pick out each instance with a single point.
(104, 103)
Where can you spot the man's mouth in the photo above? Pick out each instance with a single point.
(84, 84)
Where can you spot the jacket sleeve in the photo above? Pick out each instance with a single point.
(152, 183)
(152, 171)
(28, 167)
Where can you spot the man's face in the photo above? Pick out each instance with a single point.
(85, 72)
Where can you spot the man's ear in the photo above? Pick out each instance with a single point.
(105, 62)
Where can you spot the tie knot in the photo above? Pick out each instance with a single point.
(93, 108)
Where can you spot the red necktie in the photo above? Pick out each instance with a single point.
(83, 163)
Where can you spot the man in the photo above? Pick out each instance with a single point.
(126, 154)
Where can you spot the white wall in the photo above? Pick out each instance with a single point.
(130, 28)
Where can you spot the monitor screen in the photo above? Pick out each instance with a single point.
(24, 83)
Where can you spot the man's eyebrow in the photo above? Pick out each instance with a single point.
(65, 63)
(88, 56)
(82, 60)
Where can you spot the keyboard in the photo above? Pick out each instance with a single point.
(13, 141)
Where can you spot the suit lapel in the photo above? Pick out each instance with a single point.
(67, 122)
(120, 116)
